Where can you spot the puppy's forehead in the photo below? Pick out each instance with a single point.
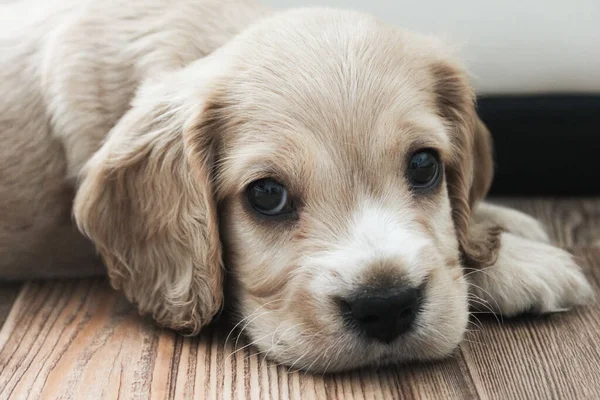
(333, 67)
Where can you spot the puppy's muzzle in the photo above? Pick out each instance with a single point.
(382, 314)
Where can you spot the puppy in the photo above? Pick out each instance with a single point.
(332, 165)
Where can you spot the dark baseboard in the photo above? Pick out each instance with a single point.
(544, 145)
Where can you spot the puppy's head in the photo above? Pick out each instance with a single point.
(329, 163)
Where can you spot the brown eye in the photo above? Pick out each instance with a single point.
(424, 169)
(269, 197)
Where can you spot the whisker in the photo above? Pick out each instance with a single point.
(303, 355)
(246, 346)
(280, 338)
(479, 324)
(298, 359)
(248, 324)
(490, 296)
(484, 305)
(249, 316)
(313, 363)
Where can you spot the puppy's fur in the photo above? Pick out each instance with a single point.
(154, 116)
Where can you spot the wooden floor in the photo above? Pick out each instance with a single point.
(80, 339)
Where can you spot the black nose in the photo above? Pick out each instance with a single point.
(383, 314)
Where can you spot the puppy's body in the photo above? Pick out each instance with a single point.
(68, 72)
(161, 118)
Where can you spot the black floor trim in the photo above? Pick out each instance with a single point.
(544, 145)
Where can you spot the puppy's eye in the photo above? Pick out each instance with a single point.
(269, 197)
(424, 169)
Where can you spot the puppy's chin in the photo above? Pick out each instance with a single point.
(304, 331)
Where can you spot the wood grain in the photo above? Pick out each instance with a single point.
(78, 339)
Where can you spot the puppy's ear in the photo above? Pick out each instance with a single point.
(146, 201)
(471, 170)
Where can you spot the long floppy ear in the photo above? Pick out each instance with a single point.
(147, 203)
(471, 170)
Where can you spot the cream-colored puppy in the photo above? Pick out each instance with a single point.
(331, 164)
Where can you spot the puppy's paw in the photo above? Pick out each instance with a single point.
(512, 221)
(530, 276)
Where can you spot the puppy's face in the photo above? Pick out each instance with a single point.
(333, 196)
(328, 161)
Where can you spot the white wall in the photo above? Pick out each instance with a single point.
(510, 46)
